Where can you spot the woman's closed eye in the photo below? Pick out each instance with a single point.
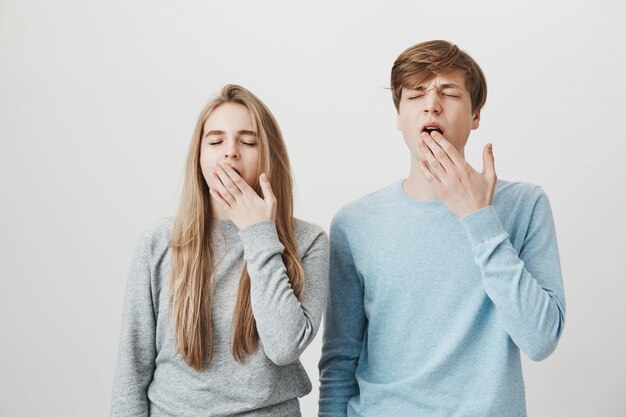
(247, 139)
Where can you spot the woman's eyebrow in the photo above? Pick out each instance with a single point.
(214, 132)
(247, 132)
(221, 132)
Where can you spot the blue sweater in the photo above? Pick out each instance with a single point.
(428, 313)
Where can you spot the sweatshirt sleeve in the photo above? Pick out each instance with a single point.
(526, 287)
(344, 328)
(137, 351)
(285, 324)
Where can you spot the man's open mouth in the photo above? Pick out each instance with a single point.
(431, 129)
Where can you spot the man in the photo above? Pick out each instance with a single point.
(438, 281)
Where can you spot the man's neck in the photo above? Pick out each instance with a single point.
(417, 186)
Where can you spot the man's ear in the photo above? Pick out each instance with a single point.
(398, 121)
(476, 119)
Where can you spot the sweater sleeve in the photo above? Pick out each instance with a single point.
(344, 328)
(285, 324)
(526, 287)
(137, 351)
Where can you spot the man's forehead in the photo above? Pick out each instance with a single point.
(454, 79)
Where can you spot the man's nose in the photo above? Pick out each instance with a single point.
(432, 104)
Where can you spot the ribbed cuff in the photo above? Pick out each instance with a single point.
(482, 225)
(260, 237)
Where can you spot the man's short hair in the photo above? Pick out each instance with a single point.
(424, 61)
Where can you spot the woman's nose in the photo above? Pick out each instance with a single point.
(232, 152)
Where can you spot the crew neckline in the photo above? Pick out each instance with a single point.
(419, 203)
(225, 225)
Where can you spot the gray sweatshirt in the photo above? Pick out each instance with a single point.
(151, 379)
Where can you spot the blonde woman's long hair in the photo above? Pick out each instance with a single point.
(191, 279)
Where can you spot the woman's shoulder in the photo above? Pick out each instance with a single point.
(150, 251)
(156, 237)
(304, 228)
(309, 234)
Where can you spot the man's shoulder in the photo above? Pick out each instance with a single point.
(517, 203)
(367, 202)
(367, 205)
(517, 192)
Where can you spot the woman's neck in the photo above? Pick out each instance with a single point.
(217, 212)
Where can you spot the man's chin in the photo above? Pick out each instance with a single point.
(416, 157)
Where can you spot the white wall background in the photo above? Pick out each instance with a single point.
(98, 100)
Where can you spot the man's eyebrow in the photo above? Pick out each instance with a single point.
(450, 85)
(439, 87)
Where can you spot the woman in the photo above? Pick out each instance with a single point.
(222, 299)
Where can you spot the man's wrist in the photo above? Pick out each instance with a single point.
(482, 225)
